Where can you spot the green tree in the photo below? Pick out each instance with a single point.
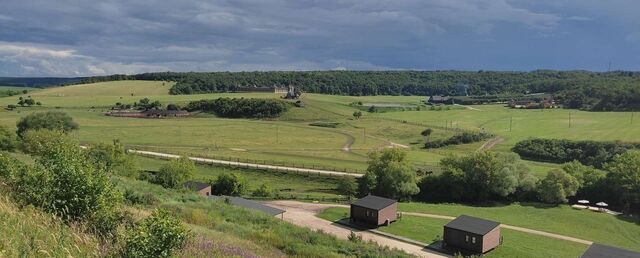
(114, 158)
(52, 120)
(372, 109)
(389, 174)
(228, 184)
(158, 235)
(557, 186)
(357, 114)
(485, 173)
(624, 175)
(426, 133)
(41, 141)
(347, 186)
(7, 139)
(175, 173)
(587, 176)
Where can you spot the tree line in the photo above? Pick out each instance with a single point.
(485, 177)
(241, 107)
(592, 153)
(598, 91)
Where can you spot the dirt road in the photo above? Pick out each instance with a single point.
(304, 214)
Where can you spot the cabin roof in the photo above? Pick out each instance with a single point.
(374, 202)
(472, 224)
(599, 250)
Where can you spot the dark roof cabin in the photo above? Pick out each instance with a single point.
(439, 100)
(374, 211)
(249, 204)
(604, 251)
(202, 188)
(473, 234)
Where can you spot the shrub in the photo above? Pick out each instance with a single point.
(262, 191)
(132, 197)
(175, 173)
(459, 138)
(66, 183)
(52, 120)
(353, 237)
(159, 235)
(114, 158)
(7, 140)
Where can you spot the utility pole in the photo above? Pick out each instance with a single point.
(277, 136)
(569, 120)
(632, 117)
(364, 135)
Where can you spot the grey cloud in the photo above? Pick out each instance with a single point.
(119, 36)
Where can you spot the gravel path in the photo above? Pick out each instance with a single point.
(304, 214)
(316, 208)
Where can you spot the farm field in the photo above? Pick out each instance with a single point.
(299, 137)
(516, 244)
(285, 184)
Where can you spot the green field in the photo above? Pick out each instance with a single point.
(516, 244)
(291, 139)
(594, 226)
(285, 184)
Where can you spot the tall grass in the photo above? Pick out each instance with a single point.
(28, 232)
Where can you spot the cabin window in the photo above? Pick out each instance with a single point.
(369, 214)
(473, 240)
(466, 238)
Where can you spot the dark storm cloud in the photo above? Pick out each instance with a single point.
(69, 38)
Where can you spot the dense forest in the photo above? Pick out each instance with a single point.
(596, 91)
(240, 107)
(590, 153)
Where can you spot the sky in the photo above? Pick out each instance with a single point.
(84, 37)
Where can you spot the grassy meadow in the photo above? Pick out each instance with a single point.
(298, 137)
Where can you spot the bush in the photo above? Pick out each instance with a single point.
(159, 235)
(459, 138)
(114, 158)
(175, 173)
(7, 140)
(241, 107)
(66, 183)
(133, 198)
(389, 174)
(590, 153)
(262, 191)
(228, 184)
(52, 120)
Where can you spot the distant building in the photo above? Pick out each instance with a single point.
(202, 188)
(152, 113)
(604, 251)
(274, 89)
(374, 211)
(435, 99)
(471, 233)
(532, 104)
